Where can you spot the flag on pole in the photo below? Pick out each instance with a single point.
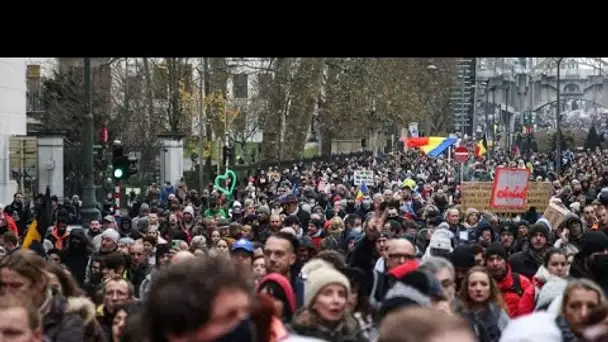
(481, 147)
(36, 231)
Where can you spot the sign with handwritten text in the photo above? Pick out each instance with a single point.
(477, 195)
(510, 188)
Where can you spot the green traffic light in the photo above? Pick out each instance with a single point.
(118, 173)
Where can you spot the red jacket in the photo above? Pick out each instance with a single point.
(12, 226)
(528, 300)
(509, 296)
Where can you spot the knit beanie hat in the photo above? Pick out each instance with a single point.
(539, 227)
(496, 249)
(319, 278)
(112, 234)
(463, 257)
(441, 240)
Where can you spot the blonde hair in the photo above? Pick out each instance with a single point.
(585, 284)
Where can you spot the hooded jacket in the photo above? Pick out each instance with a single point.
(59, 323)
(85, 308)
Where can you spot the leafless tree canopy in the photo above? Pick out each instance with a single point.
(340, 97)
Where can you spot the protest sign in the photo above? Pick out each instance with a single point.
(510, 187)
(556, 213)
(477, 195)
(363, 176)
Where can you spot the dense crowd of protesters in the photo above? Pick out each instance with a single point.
(303, 254)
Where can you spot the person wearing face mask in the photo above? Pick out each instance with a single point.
(592, 261)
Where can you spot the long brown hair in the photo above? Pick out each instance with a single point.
(495, 295)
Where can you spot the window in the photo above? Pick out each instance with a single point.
(239, 86)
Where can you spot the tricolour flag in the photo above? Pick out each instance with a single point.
(431, 146)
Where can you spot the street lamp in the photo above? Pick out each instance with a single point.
(89, 211)
(558, 132)
(432, 69)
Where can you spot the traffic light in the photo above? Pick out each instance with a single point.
(118, 160)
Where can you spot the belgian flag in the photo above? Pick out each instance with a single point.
(481, 147)
(36, 231)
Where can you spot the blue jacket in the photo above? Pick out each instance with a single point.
(164, 196)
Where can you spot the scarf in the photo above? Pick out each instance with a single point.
(538, 256)
(564, 327)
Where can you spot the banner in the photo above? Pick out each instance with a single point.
(510, 188)
(477, 195)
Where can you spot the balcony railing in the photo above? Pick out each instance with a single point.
(34, 101)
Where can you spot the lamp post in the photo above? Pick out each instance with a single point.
(558, 132)
(506, 117)
(487, 104)
(89, 212)
(493, 88)
(432, 69)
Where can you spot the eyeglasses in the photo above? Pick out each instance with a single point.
(589, 212)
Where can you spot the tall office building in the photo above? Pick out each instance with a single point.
(463, 96)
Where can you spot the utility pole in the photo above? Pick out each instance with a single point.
(487, 121)
(506, 118)
(202, 117)
(474, 130)
(462, 100)
(89, 211)
(209, 132)
(493, 129)
(558, 132)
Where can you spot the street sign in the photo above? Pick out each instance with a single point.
(461, 154)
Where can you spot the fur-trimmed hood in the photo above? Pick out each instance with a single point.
(306, 323)
(82, 306)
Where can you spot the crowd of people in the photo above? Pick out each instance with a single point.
(304, 254)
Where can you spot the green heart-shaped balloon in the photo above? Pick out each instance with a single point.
(220, 181)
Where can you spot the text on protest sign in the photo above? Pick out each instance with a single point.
(477, 195)
(510, 188)
(363, 176)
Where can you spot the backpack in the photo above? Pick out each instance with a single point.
(516, 287)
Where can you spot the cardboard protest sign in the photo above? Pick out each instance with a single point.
(477, 195)
(556, 214)
(510, 188)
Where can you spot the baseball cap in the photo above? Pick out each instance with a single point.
(243, 244)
